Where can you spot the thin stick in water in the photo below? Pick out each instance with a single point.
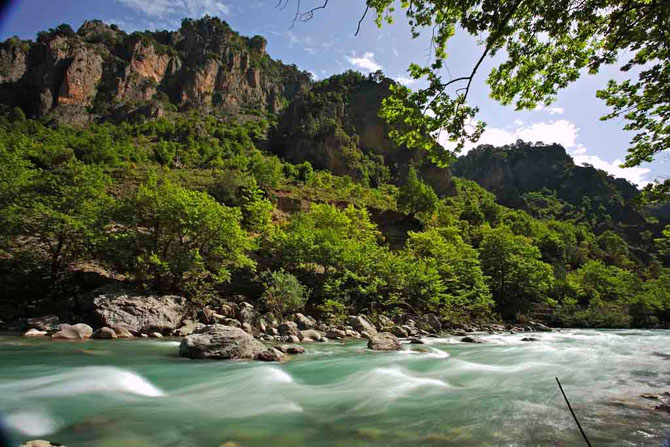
(573, 413)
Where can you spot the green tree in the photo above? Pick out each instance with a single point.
(537, 47)
(59, 214)
(517, 276)
(283, 293)
(416, 197)
(181, 237)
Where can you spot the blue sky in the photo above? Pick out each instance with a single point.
(326, 45)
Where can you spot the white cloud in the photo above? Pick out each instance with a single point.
(404, 80)
(564, 133)
(555, 110)
(395, 52)
(517, 122)
(181, 8)
(364, 62)
(634, 175)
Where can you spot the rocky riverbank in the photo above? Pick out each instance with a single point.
(240, 330)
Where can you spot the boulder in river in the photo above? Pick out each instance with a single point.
(361, 323)
(336, 333)
(398, 331)
(468, 339)
(530, 339)
(139, 313)
(270, 355)
(121, 331)
(433, 322)
(187, 329)
(35, 333)
(311, 335)
(290, 349)
(105, 333)
(220, 342)
(43, 323)
(384, 341)
(78, 331)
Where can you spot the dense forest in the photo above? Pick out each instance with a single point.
(303, 203)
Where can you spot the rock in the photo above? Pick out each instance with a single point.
(227, 310)
(35, 333)
(384, 341)
(289, 328)
(231, 322)
(156, 335)
(469, 339)
(398, 331)
(459, 333)
(293, 338)
(384, 321)
(365, 335)
(43, 323)
(104, 333)
(78, 331)
(291, 349)
(530, 339)
(311, 335)
(539, 327)
(246, 313)
(187, 329)
(41, 443)
(352, 333)
(139, 313)
(433, 322)
(121, 331)
(246, 327)
(361, 323)
(664, 407)
(220, 342)
(417, 341)
(270, 355)
(411, 330)
(144, 336)
(650, 396)
(336, 334)
(304, 322)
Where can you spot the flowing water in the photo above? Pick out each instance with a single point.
(140, 393)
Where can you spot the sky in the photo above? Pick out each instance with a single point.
(326, 45)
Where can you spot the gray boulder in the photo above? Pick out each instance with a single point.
(361, 323)
(311, 335)
(538, 327)
(468, 339)
(270, 355)
(433, 322)
(384, 341)
(336, 334)
(105, 333)
(78, 331)
(246, 313)
(188, 328)
(121, 331)
(43, 323)
(35, 333)
(220, 342)
(289, 328)
(290, 349)
(139, 313)
(304, 322)
(398, 331)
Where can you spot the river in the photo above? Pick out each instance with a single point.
(140, 393)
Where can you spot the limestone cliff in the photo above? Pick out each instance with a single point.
(93, 73)
(335, 126)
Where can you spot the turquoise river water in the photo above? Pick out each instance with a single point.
(140, 393)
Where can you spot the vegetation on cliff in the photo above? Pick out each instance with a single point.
(312, 206)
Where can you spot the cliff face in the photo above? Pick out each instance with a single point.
(77, 77)
(335, 126)
(512, 171)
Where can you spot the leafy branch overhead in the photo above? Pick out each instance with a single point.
(543, 45)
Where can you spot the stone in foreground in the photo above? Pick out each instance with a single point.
(220, 342)
(384, 341)
(41, 443)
